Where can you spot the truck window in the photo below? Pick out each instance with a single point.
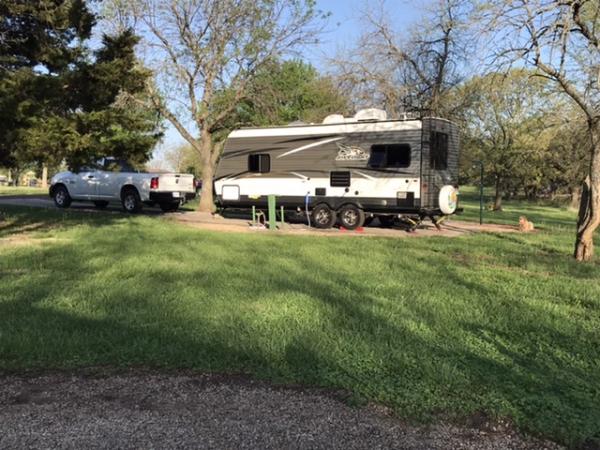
(117, 165)
(390, 155)
(259, 163)
(438, 153)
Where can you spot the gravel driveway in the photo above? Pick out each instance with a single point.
(143, 410)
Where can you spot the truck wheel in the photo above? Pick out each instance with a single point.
(351, 217)
(101, 204)
(61, 197)
(323, 216)
(131, 201)
(169, 207)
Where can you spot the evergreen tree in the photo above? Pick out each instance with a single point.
(58, 100)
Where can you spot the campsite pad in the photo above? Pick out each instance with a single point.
(450, 228)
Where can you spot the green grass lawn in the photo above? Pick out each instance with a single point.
(22, 190)
(435, 327)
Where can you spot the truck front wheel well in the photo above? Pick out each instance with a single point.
(55, 186)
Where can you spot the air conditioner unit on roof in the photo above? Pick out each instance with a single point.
(370, 114)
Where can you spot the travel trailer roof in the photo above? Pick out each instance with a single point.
(368, 120)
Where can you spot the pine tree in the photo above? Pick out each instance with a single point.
(61, 102)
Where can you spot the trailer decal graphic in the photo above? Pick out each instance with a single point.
(351, 153)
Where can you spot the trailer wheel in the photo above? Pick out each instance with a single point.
(323, 216)
(351, 217)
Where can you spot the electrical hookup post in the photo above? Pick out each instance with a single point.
(272, 203)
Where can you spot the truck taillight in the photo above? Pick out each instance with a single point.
(154, 183)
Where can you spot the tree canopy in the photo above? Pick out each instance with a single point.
(61, 101)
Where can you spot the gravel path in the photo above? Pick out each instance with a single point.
(142, 410)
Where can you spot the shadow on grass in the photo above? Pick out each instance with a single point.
(396, 322)
(24, 219)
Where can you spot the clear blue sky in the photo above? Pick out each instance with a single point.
(343, 29)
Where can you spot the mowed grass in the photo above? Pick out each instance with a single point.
(22, 190)
(436, 328)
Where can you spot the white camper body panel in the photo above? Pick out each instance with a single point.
(297, 185)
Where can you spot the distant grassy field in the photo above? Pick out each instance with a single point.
(543, 214)
(22, 190)
(435, 328)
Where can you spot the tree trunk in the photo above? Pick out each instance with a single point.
(44, 176)
(575, 197)
(588, 219)
(208, 171)
(498, 196)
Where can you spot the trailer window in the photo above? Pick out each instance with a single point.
(260, 163)
(390, 155)
(438, 154)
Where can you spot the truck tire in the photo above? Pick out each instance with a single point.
(101, 204)
(323, 216)
(61, 197)
(131, 200)
(169, 207)
(351, 217)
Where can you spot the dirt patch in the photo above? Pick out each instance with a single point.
(187, 410)
(450, 228)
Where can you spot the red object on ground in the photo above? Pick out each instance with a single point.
(360, 230)
(343, 229)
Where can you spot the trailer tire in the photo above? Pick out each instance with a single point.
(323, 216)
(351, 217)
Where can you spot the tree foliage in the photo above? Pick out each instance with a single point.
(200, 49)
(508, 125)
(408, 70)
(285, 92)
(561, 40)
(58, 100)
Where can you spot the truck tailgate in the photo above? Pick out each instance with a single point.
(176, 182)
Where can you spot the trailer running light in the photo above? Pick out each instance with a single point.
(154, 183)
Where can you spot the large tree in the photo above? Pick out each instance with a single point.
(201, 48)
(409, 69)
(58, 100)
(287, 91)
(506, 126)
(561, 39)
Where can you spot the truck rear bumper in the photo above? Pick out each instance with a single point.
(171, 197)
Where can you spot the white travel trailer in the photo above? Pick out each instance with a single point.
(345, 170)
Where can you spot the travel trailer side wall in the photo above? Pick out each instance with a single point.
(344, 170)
